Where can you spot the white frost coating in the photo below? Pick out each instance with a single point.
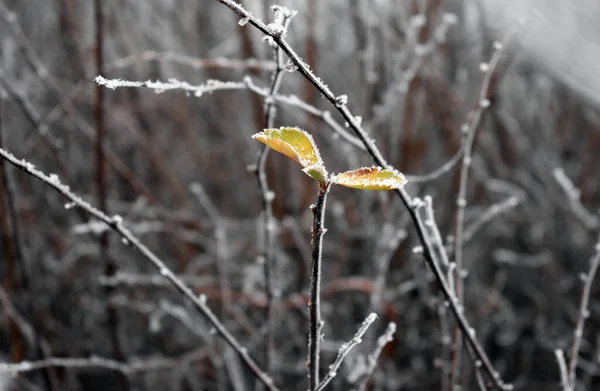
(244, 21)
(172, 84)
(290, 66)
(341, 100)
(278, 27)
(345, 348)
(269, 40)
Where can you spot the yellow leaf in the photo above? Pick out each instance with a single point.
(293, 143)
(371, 178)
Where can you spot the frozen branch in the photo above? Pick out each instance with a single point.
(345, 349)
(354, 123)
(116, 224)
(461, 202)
(383, 340)
(314, 303)
(584, 313)
(590, 220)
(562, 367)
(173, 84)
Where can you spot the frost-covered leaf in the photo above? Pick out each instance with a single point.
(294, 143)
(370, 178)
(317, 172)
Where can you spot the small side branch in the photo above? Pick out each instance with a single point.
(387, 337)
(562, 367)
(584, 313)
(345, 349)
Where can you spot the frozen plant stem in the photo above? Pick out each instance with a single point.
(268, 238)
(461, 201)
(375, 154)
(116, 224)
(387, 337)
(345, 349)
(562, 367)
(314, 304)
(584, 313)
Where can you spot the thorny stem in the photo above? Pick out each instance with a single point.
(314, 304)
(378, 158)
(583, 314)
(116, 224)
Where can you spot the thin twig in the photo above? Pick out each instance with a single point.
(340, 103)
(584, 313)
(345, 349)
(172, 84)
(488, 215)
(314, 303)
(461, 201)
(116, 224)
(267, 245)
(88, 363)
(387, 337)
(590, 220)
(562, 368)
(247, 83)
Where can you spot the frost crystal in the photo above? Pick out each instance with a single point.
(341, 100)
(290, 66)
(268, 39)
(243, 21)
(484, 67)
(275, 29)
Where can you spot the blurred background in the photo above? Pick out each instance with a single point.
(176, 168)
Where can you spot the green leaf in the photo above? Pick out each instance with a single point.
(293, 143)
(370, 178)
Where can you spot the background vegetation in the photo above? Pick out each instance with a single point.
(178, 168)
